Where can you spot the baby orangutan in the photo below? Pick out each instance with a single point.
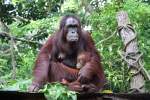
(82, 59)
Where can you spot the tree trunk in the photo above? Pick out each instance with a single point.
(4, 28)
(131, 53)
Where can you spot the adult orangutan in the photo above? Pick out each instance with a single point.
(57, 59)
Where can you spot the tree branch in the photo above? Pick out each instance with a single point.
(8, 36)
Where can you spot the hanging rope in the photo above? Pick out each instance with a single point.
(107, 38)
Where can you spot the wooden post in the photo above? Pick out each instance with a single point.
(131, 53)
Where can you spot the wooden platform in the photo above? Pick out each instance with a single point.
(14, 95)
(114, 96)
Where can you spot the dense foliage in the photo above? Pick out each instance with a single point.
(35, 20)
